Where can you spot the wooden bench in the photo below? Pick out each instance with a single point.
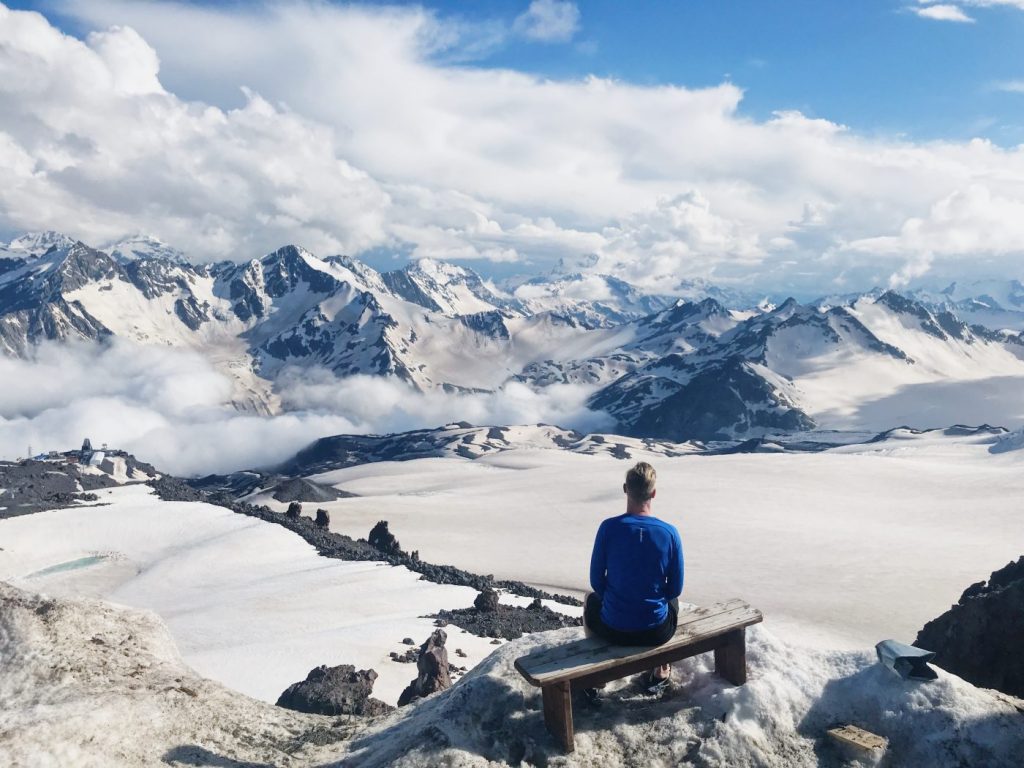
(590, 662)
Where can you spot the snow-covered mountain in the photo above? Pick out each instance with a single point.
(997, 304)
(593, 300)
(445, 288)
(879, 361)
(673, 370)
(142, 247)
(34, 244)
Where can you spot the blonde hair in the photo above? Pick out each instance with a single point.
(640, 480)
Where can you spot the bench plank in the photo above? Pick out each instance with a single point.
(589, 657)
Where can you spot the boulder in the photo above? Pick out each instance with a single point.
(323, 518)
(486, 601)
(294, 510)
(340, 690)
(432, 667)
(981, 637)
(383, 540)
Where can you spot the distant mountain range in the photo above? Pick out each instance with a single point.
(704, 367)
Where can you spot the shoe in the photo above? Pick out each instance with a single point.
(654, 685)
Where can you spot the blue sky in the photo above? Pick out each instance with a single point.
(871, 64)
(808, 147)
(874, 65)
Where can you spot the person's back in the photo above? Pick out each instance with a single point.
(641, 558)
(636, 571)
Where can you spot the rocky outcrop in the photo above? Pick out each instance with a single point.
(433, 672)
(323, 518)
(486, 601)
(34, 486)
(489, 619)
(382, 539)
(301, 489)
(294, 510)
(341, 690)
(981, 637)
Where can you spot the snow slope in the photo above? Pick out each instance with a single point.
(89, 684)
(250, 604)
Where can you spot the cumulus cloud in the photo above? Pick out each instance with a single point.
(943, 12)
(676, 236)
(969, 221)
(172, 408)
(549, 21)
(356, 131)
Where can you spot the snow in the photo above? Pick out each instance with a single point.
(142, 246)
(847, 386)
(37, 243)
(777, 720)
(839, 549)
(90, 684)
(238, 594)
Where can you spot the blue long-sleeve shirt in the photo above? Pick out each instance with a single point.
(636, 568)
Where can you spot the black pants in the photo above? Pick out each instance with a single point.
(653, 636)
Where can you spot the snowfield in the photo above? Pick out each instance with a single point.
(839, 550)
(249, 603)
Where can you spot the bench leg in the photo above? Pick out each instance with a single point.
(558, 713)
(731, 658)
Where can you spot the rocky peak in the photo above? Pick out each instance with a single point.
(142, 246)
(33, 244)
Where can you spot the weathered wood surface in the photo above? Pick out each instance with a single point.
(558, 714)
(731, 657)
(594, 658)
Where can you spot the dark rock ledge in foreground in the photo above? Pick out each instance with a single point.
(981, 638)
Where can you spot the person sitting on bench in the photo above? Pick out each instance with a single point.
(636, 572)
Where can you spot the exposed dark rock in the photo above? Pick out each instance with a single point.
(981, 637)
(486, 601)
(381, 538)
(432, 667)
(323, 518)
(508, 621)
(301, 489)
(34, 486)
(340, 690)
(294, 510)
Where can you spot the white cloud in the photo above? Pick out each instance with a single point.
(995, 3)
(380, 405)
(969, 221)
(171, 408)
(357, 132)
(676, 236)
(549, 21)
(943, 12)
(1009, 86)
